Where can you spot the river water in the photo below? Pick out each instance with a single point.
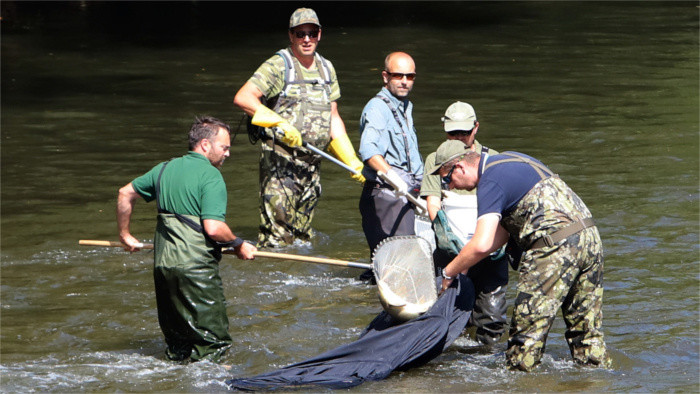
(606, 94)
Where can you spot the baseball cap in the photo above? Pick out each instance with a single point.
(302, 16)
(459, 116)
(447, 151)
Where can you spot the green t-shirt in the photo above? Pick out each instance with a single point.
(190, 185)
(431, 185)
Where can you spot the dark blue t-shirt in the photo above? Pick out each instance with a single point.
(502, 186)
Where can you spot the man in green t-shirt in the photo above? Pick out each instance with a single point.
(190, 194)
(490, 276)
(295, 91)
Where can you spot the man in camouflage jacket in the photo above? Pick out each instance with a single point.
(562, 261)
(293, 94)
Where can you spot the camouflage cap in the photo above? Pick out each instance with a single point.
(302, 16)
(459, 116)
(448, 151)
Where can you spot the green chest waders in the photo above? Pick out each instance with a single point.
(189, 290)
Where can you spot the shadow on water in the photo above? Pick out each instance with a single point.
(95, 93)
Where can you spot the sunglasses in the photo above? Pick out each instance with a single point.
(398, 76)
(303, 33)
(459, 133)
(447, 179)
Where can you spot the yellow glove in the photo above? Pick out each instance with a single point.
(343, 150)
(266, 117)
(291, 137)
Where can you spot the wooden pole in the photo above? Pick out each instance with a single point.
(259, 253)
(309, 259)
(93, 242)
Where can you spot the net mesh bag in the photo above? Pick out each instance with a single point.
(424, 229)
(403, 269)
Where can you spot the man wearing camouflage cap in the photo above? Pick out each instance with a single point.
(562, 261)
(295, 93)
(490, 276)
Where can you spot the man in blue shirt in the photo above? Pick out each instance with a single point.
(561, 266)
(389, 144)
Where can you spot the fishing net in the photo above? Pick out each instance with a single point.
(384, 346)
(403, 269)
(424, 229)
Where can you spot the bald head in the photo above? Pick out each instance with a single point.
(399, 73)
(397, 59)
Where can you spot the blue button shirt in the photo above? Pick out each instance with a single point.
(383, 135)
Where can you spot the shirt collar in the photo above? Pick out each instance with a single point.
(197, 155)
(402, 104)
(482, 162)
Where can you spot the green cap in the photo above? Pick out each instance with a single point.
(448, 151)
(302, 16)
(459, 116)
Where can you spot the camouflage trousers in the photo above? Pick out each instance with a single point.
(568, 275)
(289, 192)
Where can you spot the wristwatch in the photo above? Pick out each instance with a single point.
(235, 243)
(444, 275)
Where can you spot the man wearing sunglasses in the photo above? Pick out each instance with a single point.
(490, 276)
(562, 263)
(389, 144)
(294, 96)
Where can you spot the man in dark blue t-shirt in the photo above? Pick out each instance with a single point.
(562, 260)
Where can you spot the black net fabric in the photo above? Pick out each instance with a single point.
(384, 346)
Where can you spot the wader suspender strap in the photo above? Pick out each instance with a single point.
(403, 132)
(566, 232)
(292, 72)
(185, 220)
(559, 235)
(541, 170)
(484, 159)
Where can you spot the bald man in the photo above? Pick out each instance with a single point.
(389, 144)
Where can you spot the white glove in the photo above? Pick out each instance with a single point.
(399, 185)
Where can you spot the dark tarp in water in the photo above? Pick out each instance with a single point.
(382, 347)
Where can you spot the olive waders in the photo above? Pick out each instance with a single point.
(189, 290)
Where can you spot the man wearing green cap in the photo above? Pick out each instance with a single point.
(295, 91)
(561, 266)
(490, 276)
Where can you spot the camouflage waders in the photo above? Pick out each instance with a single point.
(189, 292)
(566, 275)
(290, 189)
(290, 181)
